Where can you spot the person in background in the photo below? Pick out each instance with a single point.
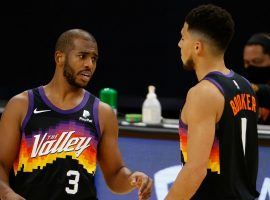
(256, 58)
(218, 123)
(55, 135)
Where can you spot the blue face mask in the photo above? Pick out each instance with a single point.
(258, 75)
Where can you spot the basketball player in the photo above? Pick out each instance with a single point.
(218, 123)
(54, 135)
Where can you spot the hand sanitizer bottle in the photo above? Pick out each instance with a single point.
(151, 109)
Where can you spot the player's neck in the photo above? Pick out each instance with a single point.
(205, 66)
(62, 89)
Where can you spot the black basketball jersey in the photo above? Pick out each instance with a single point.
(58, 150)
(233, 162)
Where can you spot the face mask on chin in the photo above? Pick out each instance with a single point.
(258, 75)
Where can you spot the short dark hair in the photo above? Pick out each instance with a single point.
(262, 39)
(65, 41)
(214, 22)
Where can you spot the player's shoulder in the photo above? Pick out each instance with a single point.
(18, 101)
(205, 95)
(20, 98)
(204, 99)
(16, 107)
(204, 89)
(105, 110)
(107, 118)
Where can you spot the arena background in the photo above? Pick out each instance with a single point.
(137, 45)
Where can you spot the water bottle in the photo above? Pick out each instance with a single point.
(109, 96)
(151, 108)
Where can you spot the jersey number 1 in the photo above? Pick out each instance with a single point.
(244, 132)
(73, 189)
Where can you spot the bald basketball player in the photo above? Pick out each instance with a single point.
(53, 135)
(218, 123)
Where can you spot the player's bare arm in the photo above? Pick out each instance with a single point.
(201, 112)
(118, 177)
(10, 125)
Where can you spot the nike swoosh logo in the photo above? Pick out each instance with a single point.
(40, 111)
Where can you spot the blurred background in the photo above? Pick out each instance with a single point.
(137, 42)
(137, 45)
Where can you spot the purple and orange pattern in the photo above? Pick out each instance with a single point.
(213, 163)
(87, 158)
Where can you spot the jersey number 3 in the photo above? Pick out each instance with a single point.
(73, 188)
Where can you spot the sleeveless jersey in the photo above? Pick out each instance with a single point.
(58, 149)
(233, 162)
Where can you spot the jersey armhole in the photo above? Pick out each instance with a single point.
(215, 83)
(29, 109)
(96, 120)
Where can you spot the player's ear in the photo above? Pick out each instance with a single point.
(198, 47)
(59, 57)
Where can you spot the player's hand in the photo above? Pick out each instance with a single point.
(11, 196)
(143, 183)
